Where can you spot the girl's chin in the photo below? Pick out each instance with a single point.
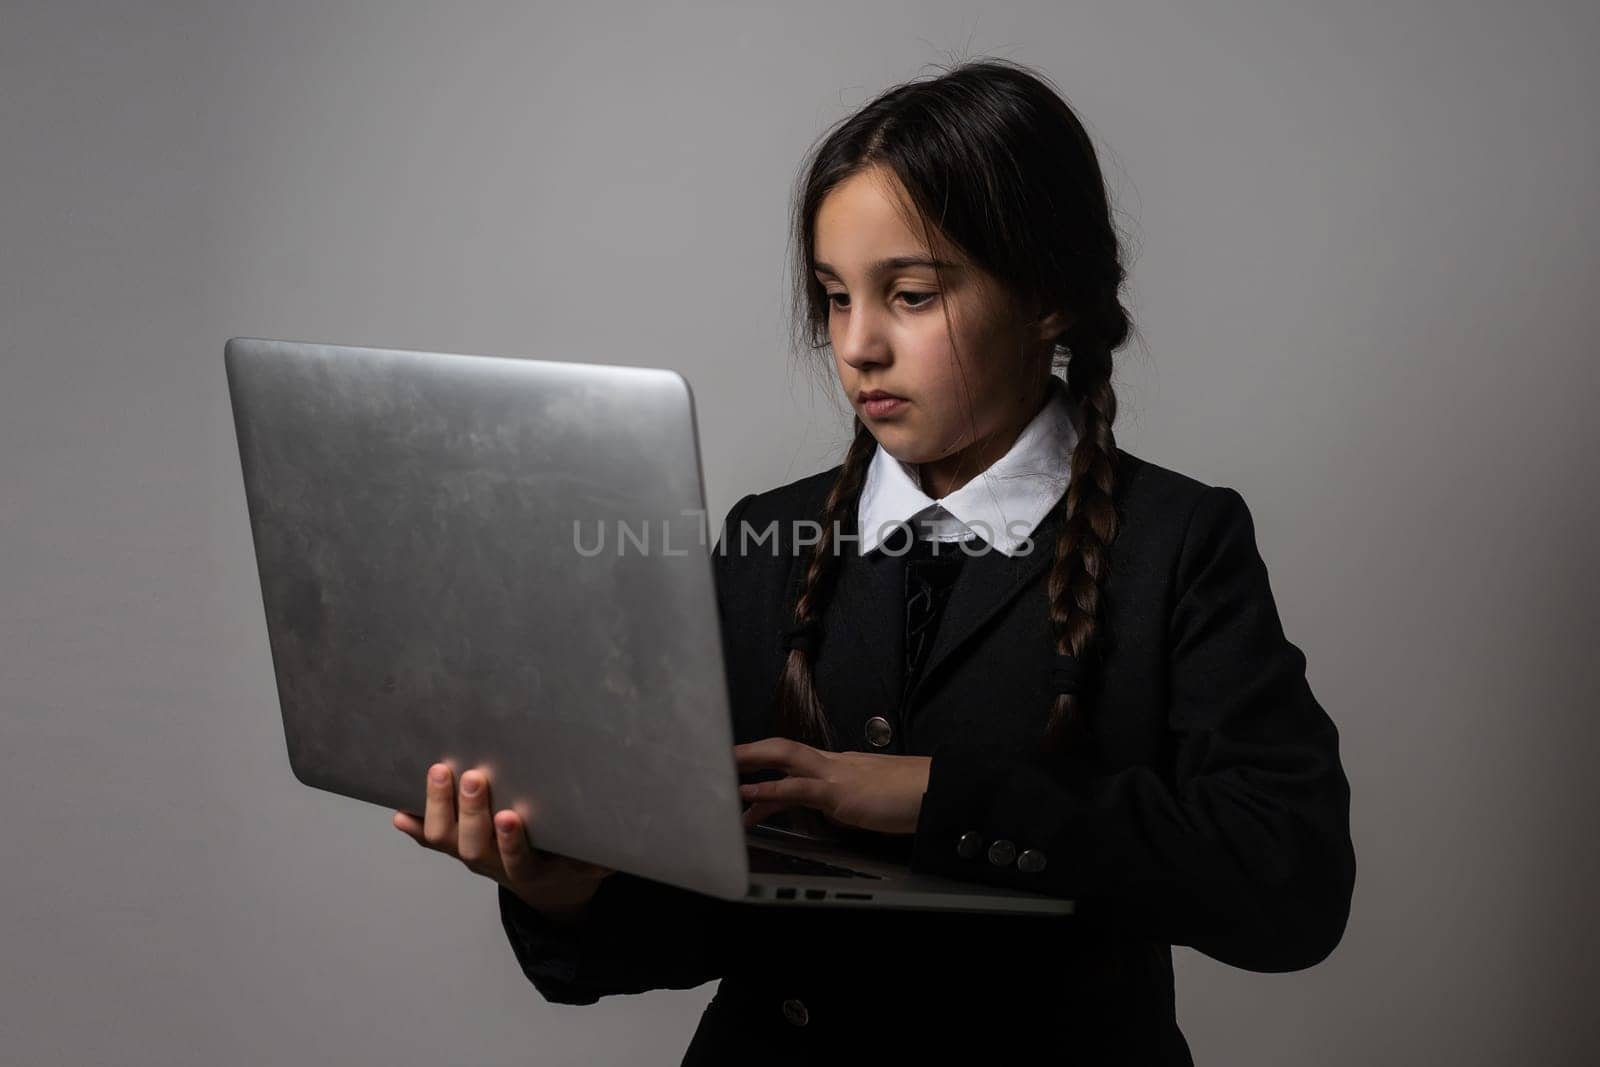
(905, 448)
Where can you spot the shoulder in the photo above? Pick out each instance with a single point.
(1199, 530)
(1157, 504)
(1148, 486)
(1173, 526)
(779, 508)
(801, 498)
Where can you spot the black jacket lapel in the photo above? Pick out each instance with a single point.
(985, 585)
(861, 664)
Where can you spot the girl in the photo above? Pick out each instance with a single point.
(1007, 648)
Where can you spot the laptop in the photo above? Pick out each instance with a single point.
(506, 563)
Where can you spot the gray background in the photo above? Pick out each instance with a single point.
(1365, 257)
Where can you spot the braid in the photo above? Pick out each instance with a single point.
(1082, 549)
(800, 713)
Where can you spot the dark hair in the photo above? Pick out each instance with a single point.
(994, 161)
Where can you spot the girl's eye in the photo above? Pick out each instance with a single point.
(922, 299)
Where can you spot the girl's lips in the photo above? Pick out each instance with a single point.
(888, 405)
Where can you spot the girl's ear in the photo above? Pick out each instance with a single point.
(1052, 325)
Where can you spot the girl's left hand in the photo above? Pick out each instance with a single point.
(868, 790)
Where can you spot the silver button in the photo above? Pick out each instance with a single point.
(969, 846)
(878, 731)
(795, 1012)
(1002, 852)
(1031, 861)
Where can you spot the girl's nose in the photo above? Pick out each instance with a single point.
(862, 344)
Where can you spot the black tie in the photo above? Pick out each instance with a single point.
(931, 569)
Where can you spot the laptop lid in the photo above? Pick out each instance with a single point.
(496, 562)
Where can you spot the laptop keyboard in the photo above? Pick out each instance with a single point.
(766, 861)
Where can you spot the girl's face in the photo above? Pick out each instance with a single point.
(964, 389)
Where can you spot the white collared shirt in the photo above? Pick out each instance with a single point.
(1002, 505)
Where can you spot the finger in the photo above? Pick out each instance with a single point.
(518, 851)
(475, 842)
(780, 753)
(439, 818)
(812, 792)
(759, 812)
(516, 855)
(409, 825)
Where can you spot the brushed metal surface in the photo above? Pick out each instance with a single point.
(417, 519)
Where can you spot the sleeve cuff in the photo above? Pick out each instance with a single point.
(636, 935)
(546, 950)
(993, 816)
(962, 781)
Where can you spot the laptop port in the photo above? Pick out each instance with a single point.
(852, 896)
(785, 894)
(816, 894)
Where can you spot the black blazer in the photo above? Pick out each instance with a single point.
(1211, 809)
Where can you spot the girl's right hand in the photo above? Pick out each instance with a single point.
(555, 886)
